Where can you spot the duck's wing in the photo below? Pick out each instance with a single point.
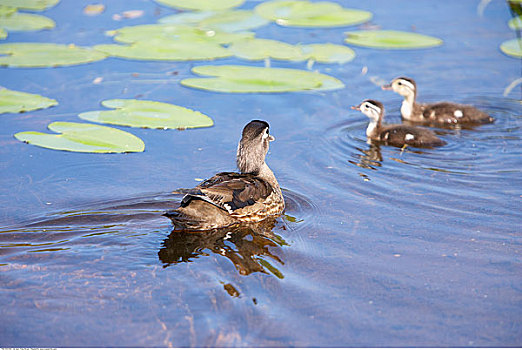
(231, 191)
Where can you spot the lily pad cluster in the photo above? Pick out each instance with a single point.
(11, 20)
(93, 138)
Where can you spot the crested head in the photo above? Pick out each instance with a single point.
(253, 146)
(404, 86)
(372, 109)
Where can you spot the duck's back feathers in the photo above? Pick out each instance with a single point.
(400, 135)
(453, 113)
(224, 199)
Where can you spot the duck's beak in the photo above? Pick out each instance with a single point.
(357, 108)
(386, 87)
(271, 138)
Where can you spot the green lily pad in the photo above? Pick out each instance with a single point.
(162, 50)
(81, 137)
(515, 23)
(46, 55)
(328, 53)
(512, 48)
(148, 114)
(34, 5)
(226, 21)
(148, 32)
(243, 79)
(260, 49)
(297, 13)
(202, 5)
(17, 102)
(234, 21)
(391, 39)
(17, 22)
(3, 34)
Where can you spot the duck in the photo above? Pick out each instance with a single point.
(442, 113)
(229, 198)
(395, 134)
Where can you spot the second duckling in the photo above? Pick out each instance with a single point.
(395, 134)
(441, 113)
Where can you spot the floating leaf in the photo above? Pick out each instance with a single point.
(515, 23)
(148, 32)
(227, 21)
(202, 5)
(391, 39)
(17, 22)
(311, 14)
(328, 53)
(3, 34)
(234, 21)
(81, 137)
(186, 17)
(17, 102)
(231, 78)
(46, 55)
(148, 114)
(34, 5)
(512, 48)
(260, 49)
(163, 50)
(93, 9)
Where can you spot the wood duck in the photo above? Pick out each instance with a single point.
(444, 113)
(395, 134)
(231, 198)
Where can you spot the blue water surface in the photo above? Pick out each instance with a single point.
(379, 246)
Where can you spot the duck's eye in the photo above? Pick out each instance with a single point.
(266, 134)
(399, 83)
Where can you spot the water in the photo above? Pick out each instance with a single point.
(379, 246)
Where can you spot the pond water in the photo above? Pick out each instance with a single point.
(379, 246)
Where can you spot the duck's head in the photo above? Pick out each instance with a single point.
(405, 87)
(372, 109)
(253, 146)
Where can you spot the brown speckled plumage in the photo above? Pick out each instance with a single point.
(395, 134)
(230, 198)
(440, 113)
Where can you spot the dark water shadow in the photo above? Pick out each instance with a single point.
(246, 246)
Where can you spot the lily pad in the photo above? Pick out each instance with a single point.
(148, 114)
(148, 32)
(226, 21)
(162, 50)
(17, 102)
(82, 137)
(46, 55)
(512, 48)
(297, 13)
(260, 49)
(391, 39)
(328, 53)
(34, 5)
(243, 79)
(17, 22)
(202, 5)
(515, 23)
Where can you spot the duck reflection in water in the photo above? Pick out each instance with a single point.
(370, 158)
(244, 245)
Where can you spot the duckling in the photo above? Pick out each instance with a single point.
(444, 113)
(230, 198)
(395, 134)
